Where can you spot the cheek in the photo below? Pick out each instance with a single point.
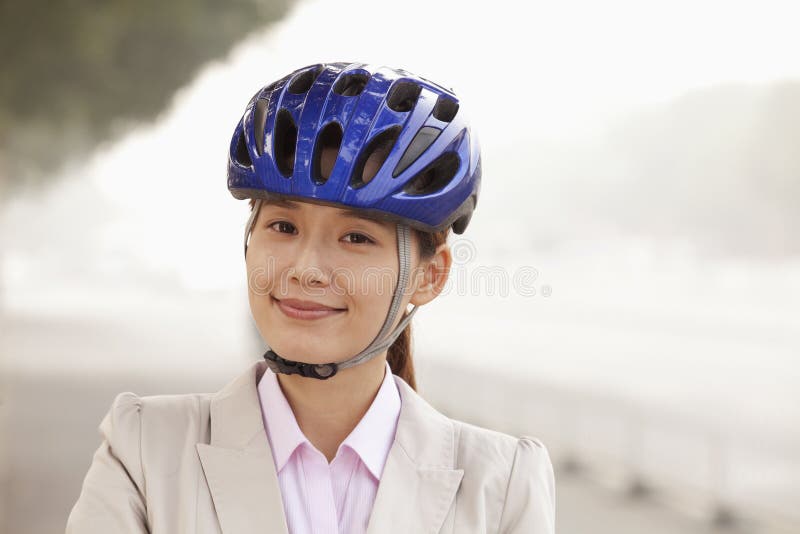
(262, 269)
(371, 287)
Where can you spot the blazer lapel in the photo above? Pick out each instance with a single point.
(238, 462)
(418, 483)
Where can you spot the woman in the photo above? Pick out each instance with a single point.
(355, 176)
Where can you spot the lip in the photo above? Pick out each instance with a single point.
(305, 309)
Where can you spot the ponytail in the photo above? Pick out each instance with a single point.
(399, 357)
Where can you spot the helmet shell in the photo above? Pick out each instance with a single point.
(429, 179)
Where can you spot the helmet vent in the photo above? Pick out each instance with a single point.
(242, 155)
(326, 151)
(373, 156)
(259, 118)
(445, 109)
(285, 142)
(403, 96)
(350, 84)
(435, 176)
(303, 81)
(424, 138)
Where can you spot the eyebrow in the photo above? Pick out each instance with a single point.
(351, 213)
(360, 215)
(280, 203)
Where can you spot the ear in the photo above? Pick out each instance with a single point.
(431, 275)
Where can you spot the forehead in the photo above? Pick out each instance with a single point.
(341, 212)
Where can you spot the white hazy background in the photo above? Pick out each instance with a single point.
(140, 244)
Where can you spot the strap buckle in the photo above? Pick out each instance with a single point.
(322, 371)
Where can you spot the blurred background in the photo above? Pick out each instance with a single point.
(628, 290)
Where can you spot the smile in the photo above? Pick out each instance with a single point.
(305, 310)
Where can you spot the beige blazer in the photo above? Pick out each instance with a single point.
(202, 464)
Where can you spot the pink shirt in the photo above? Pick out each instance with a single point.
(322, 498)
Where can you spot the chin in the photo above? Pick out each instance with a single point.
(309, 351)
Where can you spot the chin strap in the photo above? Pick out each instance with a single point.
(380, 343)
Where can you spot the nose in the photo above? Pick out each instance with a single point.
(308, 269)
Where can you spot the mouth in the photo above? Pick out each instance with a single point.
(305, 310)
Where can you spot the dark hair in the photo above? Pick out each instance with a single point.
(400, 351)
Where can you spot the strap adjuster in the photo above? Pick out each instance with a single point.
(322, 371)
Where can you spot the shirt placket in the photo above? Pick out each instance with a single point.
(321, 503)
(342, 470)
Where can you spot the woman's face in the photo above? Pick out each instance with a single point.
(326, 256)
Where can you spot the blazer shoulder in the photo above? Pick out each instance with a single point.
(161, 427)
(530, 501)
(515, 471)
(121, 428)
(128, 401)
(174, 406)
(494, 454)
(174, 411)
(483, 446)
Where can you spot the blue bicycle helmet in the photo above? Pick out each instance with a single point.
(429, 180)
(410, 129)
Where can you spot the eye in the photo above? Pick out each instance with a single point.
(359, 238)
(283, 225)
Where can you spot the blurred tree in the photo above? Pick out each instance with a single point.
(76, 72)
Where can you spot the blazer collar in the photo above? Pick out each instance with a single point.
(416, 489)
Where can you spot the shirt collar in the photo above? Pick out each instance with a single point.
(371, 439)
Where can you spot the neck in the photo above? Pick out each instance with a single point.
(328, 410)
